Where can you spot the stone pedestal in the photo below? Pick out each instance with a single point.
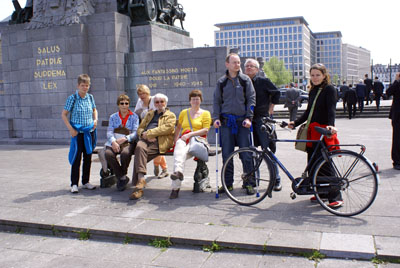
(40, 67)
(157, 37)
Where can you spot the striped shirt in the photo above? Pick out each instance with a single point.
(81, 109)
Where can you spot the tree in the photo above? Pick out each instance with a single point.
(275, 70)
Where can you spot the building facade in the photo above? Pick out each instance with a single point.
(292, 41)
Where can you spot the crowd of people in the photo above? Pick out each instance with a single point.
(355, 95)
(240, 101)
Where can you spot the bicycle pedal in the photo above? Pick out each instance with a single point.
(293, 195)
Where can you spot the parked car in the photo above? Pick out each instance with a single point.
(282, 98)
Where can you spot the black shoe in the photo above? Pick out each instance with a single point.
(221, 189)
(121, 184)
(278, 186)
(177, 176)
(174, 194)
(396, 167)
(250, 190)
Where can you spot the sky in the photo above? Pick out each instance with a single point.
(369, 24)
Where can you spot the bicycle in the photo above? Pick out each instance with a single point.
(341, 170)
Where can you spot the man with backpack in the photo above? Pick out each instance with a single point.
(234, 101)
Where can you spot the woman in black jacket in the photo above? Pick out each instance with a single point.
(323, 116)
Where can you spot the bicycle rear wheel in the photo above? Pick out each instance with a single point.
(248, 168)
(350, 175)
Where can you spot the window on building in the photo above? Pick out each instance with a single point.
(234, 34)
(280, 38)
(276, 53)
(252, 32)
(248, 47)
(262, 39)
(262, 46)
(217, 43)
(226, 34)
(276, 45)
(275, 30)
(257, 32)
(257, 39)
(230, 34)
(280, 30)
(285, 30)
(280, 45)
(285, 45)
(294, 29)
(285, 38)
(299, 29)
(271, 31)
(300, 37)
(239, 33)
(248, 40)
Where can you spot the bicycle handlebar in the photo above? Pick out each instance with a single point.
(283, 124)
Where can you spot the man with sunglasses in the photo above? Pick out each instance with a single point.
(156, 136)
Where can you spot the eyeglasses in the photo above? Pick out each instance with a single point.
(250, 66)
(160, 101)
(124, 103)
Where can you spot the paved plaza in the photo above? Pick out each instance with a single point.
(36, 200)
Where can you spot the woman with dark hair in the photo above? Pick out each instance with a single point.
(324, 113)
(200, 121)
(121, 139)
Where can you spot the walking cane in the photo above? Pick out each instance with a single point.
(252, 145)
(216, 161)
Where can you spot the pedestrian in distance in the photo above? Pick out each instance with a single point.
(369, 86)
(233, 103)
(292, 101)
(361, 89)
(378, 92)
(82, 128)
(267, 95)
(350, 98)
(343, 89)
(394, 115)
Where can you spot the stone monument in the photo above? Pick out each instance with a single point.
(41, 60)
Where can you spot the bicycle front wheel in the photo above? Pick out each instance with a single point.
(349, 177)
(247, 177)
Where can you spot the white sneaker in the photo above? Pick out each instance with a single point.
(88, 186)
(74, 189)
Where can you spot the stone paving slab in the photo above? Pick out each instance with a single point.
(38, 200)
(353, 246)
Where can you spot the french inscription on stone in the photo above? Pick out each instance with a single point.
(172, 77)
(49, 66)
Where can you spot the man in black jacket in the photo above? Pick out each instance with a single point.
(368, 84)
(378, 91)
(267, 95)
(394, 90)
(343, 89)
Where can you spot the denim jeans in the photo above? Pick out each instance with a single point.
(264, 141)
(228, 143)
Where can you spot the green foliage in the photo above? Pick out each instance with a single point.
(335, 79)
(83, 235)
(314, 256)
(127, 240)
(212, 248)
(378, 260)
(161, 243)
(19, 230)
(55, 231)
(275, 70)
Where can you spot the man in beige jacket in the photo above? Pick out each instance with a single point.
(156, 136)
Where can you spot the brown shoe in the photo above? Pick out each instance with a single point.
(174, 194)
(136, 194)
(141, 184)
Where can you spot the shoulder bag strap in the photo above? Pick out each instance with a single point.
(190, 123)
(312, 108)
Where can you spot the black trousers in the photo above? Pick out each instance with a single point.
(325, 171)
(87, 162)
(396, 142)
(351, 109)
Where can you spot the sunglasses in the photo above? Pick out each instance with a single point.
(250, 66)
(124, 103)
(157, 102)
